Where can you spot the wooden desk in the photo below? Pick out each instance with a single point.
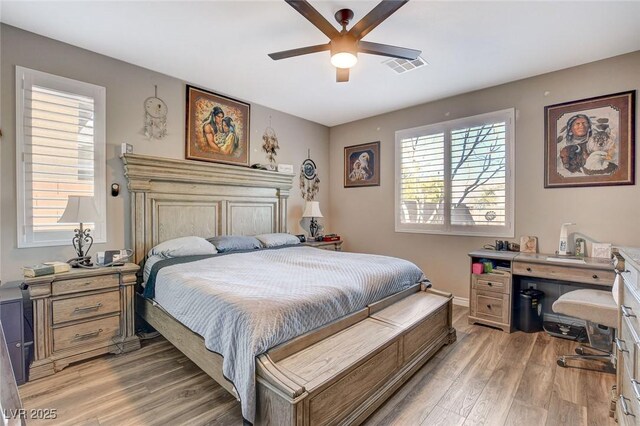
(491, 300)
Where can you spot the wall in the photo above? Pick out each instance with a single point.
(127, 87)
(365, 216)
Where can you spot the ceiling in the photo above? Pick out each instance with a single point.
(223, 46)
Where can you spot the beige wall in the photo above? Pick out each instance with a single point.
(127, 88)
(365, 216)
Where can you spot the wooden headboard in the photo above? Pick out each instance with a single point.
(176, 198)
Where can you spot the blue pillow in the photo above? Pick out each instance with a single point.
(226, 243)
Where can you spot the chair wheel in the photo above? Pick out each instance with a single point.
(561, 362)
(580, 350)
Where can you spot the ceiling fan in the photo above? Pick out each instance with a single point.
(345, 45)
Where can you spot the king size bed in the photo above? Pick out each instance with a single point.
(299, 335)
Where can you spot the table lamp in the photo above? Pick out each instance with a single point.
(312, 210)
(81, 209)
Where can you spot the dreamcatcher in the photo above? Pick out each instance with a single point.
(309, 180)
(270, 143)
(155, 117)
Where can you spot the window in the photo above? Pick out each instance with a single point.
(60, 150)
(457, 177)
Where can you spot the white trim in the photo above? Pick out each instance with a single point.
(461, 301)
(508, 115)
(25, 78)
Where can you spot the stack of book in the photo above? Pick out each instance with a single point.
(46, 268)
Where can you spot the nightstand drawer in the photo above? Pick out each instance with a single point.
(85, 306)
(86, 333)
(492, 282)
(84, 284)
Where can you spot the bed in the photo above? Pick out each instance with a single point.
(337, 372)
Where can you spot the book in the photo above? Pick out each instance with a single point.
(59, 267)
(37, 270)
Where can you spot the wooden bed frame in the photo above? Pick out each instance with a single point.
(337, 374)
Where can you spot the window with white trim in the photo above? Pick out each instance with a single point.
(60, 151)
(457, 177)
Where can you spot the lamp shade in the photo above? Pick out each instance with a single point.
(80, 209)
(312, 209)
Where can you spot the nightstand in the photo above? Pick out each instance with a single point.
(81, 314)
(325, 245)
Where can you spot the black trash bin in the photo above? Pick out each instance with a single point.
(530, 310)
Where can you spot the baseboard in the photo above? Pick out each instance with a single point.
(461, 301)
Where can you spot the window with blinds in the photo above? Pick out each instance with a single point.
(61, 152)
(456, 177)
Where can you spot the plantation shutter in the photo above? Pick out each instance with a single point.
(61, 153)
(455, 177)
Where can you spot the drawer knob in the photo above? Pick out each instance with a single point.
(490, 284)
(18, 345)
(528, 269)
(488, 306)
(594, 276)
(625, 311)
(619, 344)
(84, 336)
(625, 409)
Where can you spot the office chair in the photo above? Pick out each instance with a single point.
(598, 308)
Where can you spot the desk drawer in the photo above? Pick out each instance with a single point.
(565, 273)
(85, 284)
(490, 305)
(492, 282)
(630, 307)
(85, 306)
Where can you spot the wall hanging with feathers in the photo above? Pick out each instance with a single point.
(309, 180)
(270, 143)
(155, 117)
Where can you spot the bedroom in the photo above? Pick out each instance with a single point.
(126, 50)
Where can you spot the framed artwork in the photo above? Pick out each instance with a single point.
(362, 165)
(528, 244)
(217, 128)
(590, 142)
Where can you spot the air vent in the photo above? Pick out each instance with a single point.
(401, 66)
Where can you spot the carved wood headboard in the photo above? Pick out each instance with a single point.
(176, 198)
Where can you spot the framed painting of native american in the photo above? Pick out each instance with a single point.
(590, 142)
(362, 165)
(217, 128)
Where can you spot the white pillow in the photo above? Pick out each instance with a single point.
(279, 239)
(183, 246)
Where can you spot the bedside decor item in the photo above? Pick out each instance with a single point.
(155, 117)
(529, 244)
(309, 180)
(81, 209)
(602, 250)
(270, 143)
(38, 270)
(590, 142)
(217, 128)
(362, 165)
(312, 210)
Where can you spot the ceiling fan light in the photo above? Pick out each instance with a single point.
(344, 59)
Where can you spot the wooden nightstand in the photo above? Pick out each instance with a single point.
(80, 314)
(325, 245)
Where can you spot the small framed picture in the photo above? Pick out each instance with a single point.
(362, 165)
(601, 250)
(529, 244)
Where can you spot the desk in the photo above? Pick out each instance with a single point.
(492, 295)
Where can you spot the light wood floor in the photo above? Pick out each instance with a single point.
(487, 377)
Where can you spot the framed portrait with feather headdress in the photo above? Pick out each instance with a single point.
(217, 128)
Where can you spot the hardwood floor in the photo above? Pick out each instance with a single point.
(487, 377)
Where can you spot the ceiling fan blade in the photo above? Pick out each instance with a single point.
(388, 50)
(372, 19)
(342, 75)
(305, 9)
(300, 51)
